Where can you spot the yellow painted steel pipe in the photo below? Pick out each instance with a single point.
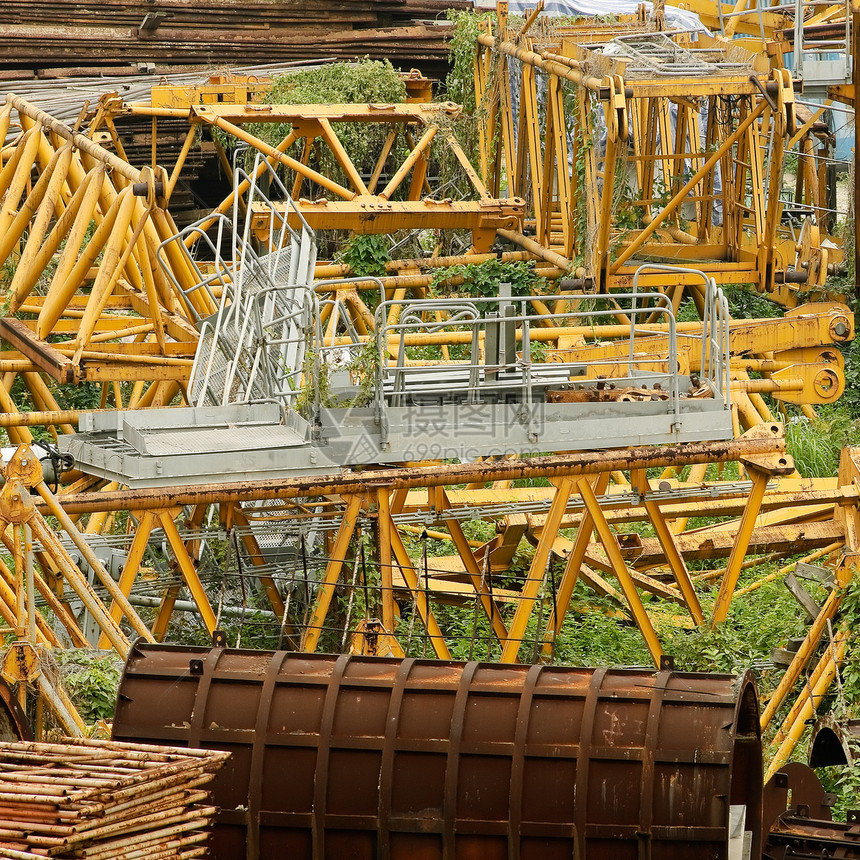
(410, 161)
(559, 69)
(748, 414)
(71, 227)
(54, 604)
(341, 155)
(80, 586)
(131, 566)
(31, 204)
(227, 204)
(20, 435)
(81, 142)
(807, 648)
(808, 559)
(272, 152)
(325, 591)
(739, 550)
(5, 122)
(419, 281)
(691, 183)
(767, 386)
(189, 574)
(17, 181)
(25, 145)
(539, 250)
(537, 571)
(342, 270)
(46, 212)
(114, 254)
(119, 334)
(761, 406)
(44, 398)
(420, 596)
(92, 559)
(68, 278)
(606, 331)
(619, 568)
(806, 706)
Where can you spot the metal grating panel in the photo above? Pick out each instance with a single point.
(194, 440)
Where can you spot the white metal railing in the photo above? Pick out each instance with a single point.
(714, 354)
(253, 348)
(492, 359)
(821, 61)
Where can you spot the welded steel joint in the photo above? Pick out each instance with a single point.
(775, 464)
(21, 664)
(615, 109)
(23, 472)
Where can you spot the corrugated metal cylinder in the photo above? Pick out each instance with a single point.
(361, 757)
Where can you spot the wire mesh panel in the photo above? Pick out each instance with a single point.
(253, 348)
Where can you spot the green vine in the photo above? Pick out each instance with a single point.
(583, 143)
(316, 389)
(362, 82)
(483, 279)
(460, 82)
(366, 254)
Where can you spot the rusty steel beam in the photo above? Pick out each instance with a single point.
(45, 356)
(766, 439)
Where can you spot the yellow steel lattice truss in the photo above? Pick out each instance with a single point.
(104, 310)
(631, 145)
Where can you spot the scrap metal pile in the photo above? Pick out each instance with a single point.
(304, 473)
(122, 36)
(104, 800)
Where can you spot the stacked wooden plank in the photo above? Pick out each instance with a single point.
(104, 801)
(175, 33)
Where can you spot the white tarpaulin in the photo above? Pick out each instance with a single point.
(676, 19)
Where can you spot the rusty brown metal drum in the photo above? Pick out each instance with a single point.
(365, 758)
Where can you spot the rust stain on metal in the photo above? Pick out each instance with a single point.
(764, 439)
(13, 721)
(382, 757)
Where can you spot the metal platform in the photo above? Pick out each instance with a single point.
(275, 392)
(169, 447)
(495, 390)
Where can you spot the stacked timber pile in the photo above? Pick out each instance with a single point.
(104, 801)
(170, 34)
